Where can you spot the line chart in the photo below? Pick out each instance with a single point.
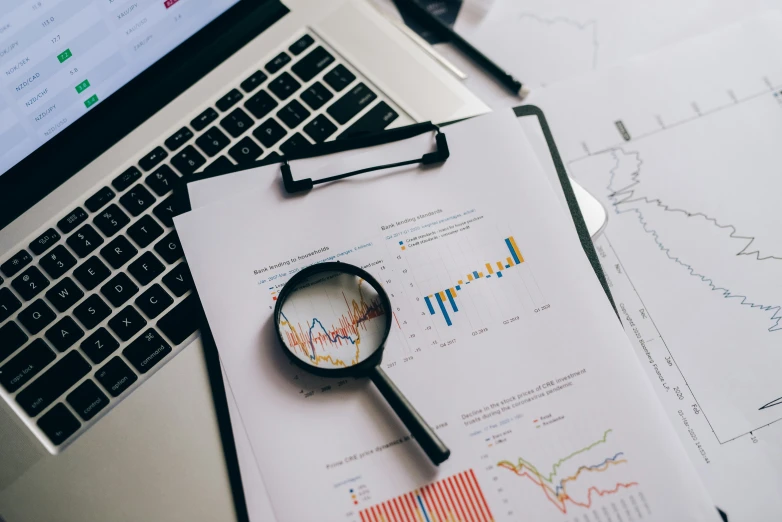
(323, 339)
(555, 488)
(581, 26)
(624, 200)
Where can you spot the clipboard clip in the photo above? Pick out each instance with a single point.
(439, 155)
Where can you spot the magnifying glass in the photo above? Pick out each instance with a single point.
(333, 319)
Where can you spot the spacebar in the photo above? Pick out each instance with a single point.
(182, 320)
(377, 119)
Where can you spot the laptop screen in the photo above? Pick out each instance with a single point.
(59, 58)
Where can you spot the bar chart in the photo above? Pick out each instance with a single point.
(448, 295)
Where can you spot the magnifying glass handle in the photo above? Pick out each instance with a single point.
(432, 445)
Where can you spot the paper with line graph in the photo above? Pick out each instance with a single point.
(688, 165)
(544, 41)
(501, 337)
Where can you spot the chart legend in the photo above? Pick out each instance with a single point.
(454, 499)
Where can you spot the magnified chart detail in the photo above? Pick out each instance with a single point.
(454, 499)
(333, 320)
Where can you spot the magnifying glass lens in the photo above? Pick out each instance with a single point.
(332, 320)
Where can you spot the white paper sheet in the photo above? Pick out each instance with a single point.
(533, 385)
(541, 41)
(693, 247)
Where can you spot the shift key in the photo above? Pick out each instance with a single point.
(351, 103)
(53, 383)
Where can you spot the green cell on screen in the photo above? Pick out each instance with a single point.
(92, 100)
(64, 55)
(82, 86)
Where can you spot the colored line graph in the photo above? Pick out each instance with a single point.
(313, 341)
(454, 499)
(555, 488)
(448, 296)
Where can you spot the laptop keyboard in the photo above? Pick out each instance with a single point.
(103, 297)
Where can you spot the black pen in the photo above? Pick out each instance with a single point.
(431, 22)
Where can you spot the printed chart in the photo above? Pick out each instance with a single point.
(453, 499)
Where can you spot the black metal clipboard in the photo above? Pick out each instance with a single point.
(182, 202)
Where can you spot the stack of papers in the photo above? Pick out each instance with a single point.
(527, 377)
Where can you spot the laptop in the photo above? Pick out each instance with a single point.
(107, 411)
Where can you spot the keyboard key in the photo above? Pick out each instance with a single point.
(320, 128)
(301, 44)
(245, 151)
(293, 114)
(64, 333)
(351, 103)
(147, 350)
(151, 160)
(154, 301)
(179, 280)
(178, 139)
(170, 249)
(64, 294)
(146, 268)
(277, 63)
(253, 82)
(236, 123)
(182, 320)
(69, 223)
(12, 338)
(9, 303)
(92, 311)
(119, 289)
(84, 241)
(377, 119)
(126, 179)
(269, 132)
(261, 104)
(57, 262)
(99, 199)
(87, 400)
(205, 118)
(188, 160)
(137, 200)
(58, 424)
(166, 211)
(118, 252)
(294, 143)
(162, 180)
(127, 323)
(53, 382)
(16, 263)
(212, 141)
(91, 273)
(312, 64)
(116, 376)
(99, 345)
(228, 101)
(111, 220)
(45, 241)
(339, 77)
(30, 283)
(36, 316)
(284, 86)
(144, 231)
(221, 164)
(316, 95)
(25, 365)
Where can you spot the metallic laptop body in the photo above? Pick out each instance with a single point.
(107, 409)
